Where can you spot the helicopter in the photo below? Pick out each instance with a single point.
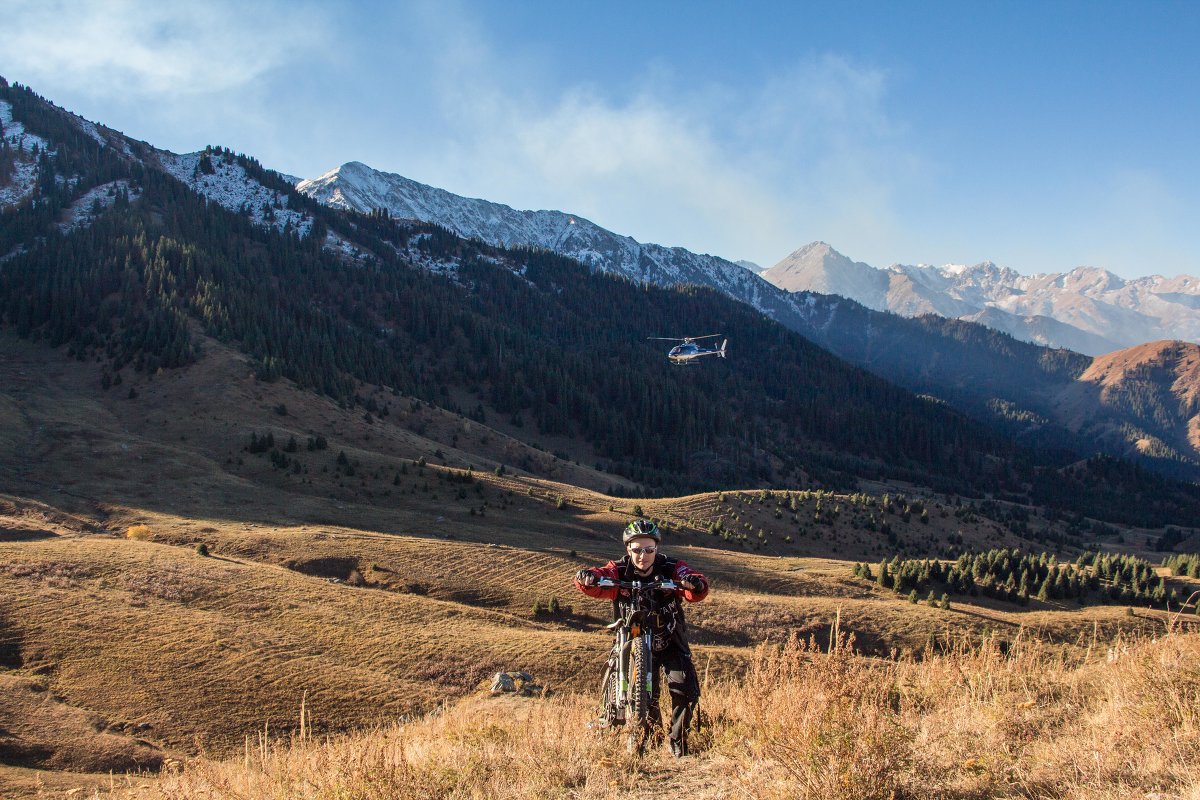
(689, 350)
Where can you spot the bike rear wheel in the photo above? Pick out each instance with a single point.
(610, 696)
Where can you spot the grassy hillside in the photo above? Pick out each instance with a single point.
(380, 586)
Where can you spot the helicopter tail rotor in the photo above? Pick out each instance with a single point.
(722, 350)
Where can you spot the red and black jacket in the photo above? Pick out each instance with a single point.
(668, 619)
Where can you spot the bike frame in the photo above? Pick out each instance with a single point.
(630, 629)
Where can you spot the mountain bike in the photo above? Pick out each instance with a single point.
(628, 685)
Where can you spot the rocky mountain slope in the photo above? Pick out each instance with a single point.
(1147, 398)
(1088, 310)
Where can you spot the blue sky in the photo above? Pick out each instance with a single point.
(1041, 136)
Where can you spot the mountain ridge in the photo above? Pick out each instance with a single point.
(358, 187)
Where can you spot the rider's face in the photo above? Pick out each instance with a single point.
(642, 551)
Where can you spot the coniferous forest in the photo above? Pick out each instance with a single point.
(1010, 575)
(533, 336)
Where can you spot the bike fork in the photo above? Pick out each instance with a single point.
(622, 675)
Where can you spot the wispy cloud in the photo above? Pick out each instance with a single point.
(151, 49)
(813, 152)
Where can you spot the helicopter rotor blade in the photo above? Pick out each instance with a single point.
(705, 336)
(664, 339)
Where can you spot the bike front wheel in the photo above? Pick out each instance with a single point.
(641, 686)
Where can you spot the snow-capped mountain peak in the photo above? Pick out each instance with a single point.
(1087, 309)
(356, 186)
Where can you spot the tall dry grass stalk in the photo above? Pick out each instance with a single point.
(1018, 719)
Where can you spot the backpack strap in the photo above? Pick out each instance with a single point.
(623, 568)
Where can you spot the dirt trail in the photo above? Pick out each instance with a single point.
(700, 777)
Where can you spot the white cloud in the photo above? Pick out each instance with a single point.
(812, 153)
(151, 49)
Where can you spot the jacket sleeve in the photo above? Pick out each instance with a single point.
(609, 570)
(682, 570)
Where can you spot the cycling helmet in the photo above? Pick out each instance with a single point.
(641, 527)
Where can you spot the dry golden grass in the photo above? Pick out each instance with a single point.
(143, 633)
(806, 721)
(484, 748)
(976, 722)
(206, 649)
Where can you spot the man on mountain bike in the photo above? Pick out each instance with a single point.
(642, 561)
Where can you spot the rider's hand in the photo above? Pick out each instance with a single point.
(690, 584)
(585, 577)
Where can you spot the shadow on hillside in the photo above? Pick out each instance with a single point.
(24, 535)
(225, 499)
(10, 645)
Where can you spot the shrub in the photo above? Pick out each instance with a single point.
(141, 533)
(202, 549)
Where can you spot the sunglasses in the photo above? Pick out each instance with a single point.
(637, 551)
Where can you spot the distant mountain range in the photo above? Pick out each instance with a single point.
(1088, 310)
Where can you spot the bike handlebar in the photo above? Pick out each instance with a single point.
(661, 584)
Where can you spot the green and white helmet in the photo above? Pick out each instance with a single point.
(641, 527)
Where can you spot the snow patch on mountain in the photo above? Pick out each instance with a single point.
(23, 177)
(91, 129)
(93, 202)
(15, 133)
(230, 186)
